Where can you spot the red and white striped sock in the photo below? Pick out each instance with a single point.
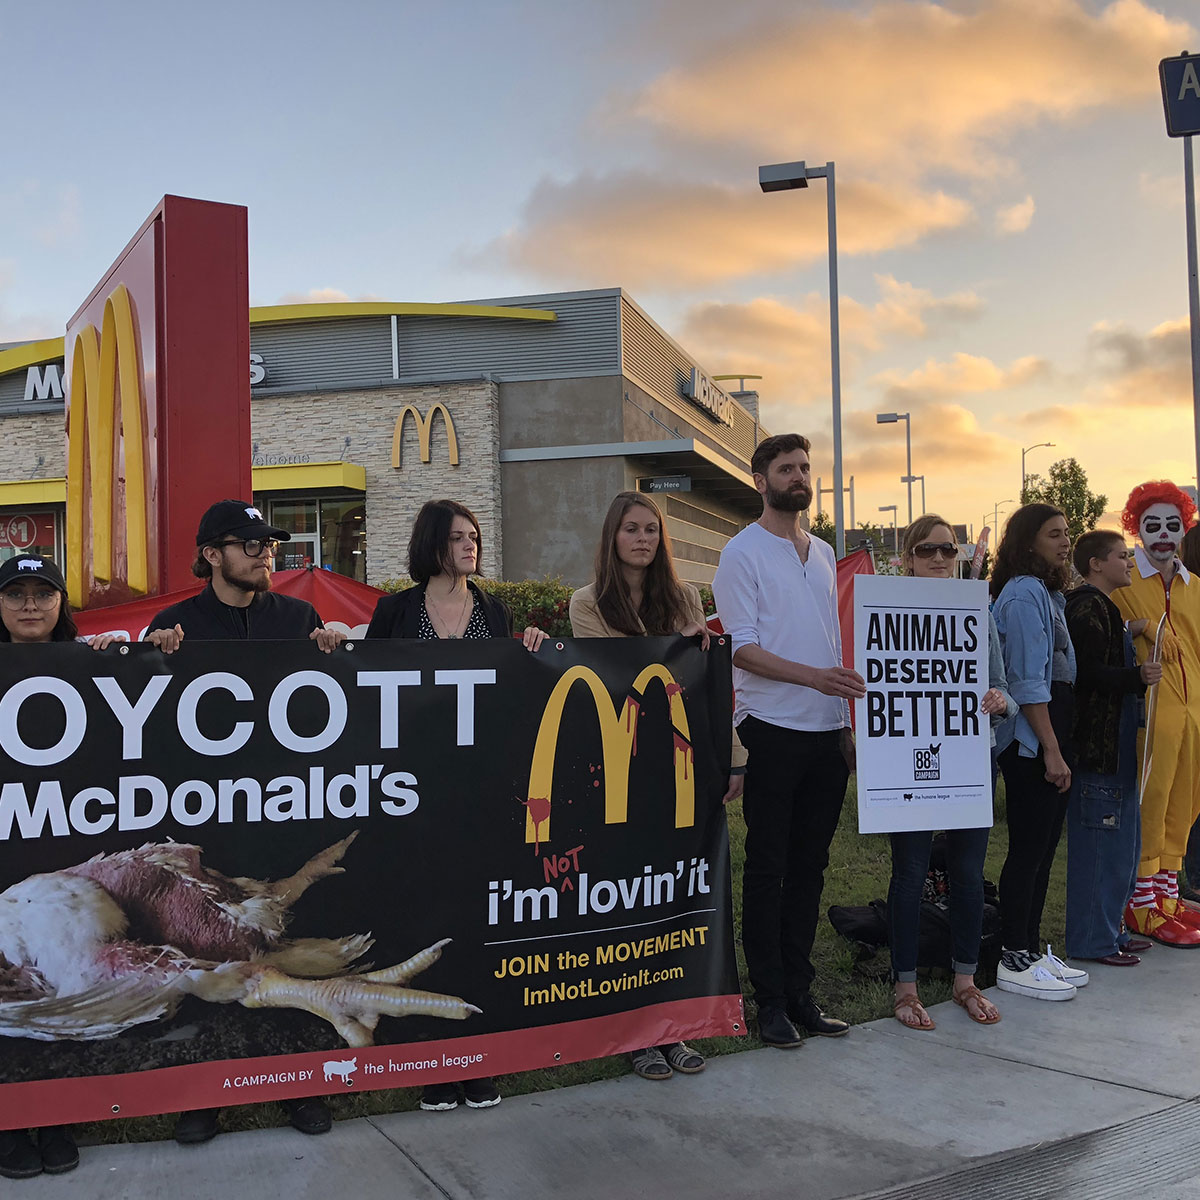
(1143, 892)
(1166, 883)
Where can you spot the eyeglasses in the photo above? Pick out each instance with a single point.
(14, 599)
(929, 549)
(254, 547)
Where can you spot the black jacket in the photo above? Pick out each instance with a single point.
(1102, 680)
(269, 618)
(399, 616)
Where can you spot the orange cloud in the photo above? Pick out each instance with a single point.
(672, 233)
(789, 345)
(897, 90)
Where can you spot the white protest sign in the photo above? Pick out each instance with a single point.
(924, 759)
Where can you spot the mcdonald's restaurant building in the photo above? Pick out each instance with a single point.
(531, 410)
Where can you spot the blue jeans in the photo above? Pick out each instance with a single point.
(965, 852)
(1104, 841)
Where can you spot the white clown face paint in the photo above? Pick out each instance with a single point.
(1161, 531)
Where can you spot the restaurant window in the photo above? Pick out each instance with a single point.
(329, 534)
(31, 532)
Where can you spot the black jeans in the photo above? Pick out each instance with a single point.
(1035, 811)
(795, 785)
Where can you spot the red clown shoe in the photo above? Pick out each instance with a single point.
(1176, 910)
(1150, 921)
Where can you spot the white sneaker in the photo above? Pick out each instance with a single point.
(1035, 981)
(1056, 966)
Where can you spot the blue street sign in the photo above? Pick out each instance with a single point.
(1180, 78)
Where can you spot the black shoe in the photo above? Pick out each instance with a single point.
(481, 1093)
(807, 1014)
(58, 1150)
(774, 1029)
(199, 1125)
(439, 1097)
(19, 1157)
(309, 1115)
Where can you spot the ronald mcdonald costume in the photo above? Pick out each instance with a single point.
(1158, 513)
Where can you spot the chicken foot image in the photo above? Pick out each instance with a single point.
(353, 1005)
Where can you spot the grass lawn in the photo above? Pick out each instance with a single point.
(858, 873)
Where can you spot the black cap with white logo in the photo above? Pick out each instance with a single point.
(236, 519)
(31, 566)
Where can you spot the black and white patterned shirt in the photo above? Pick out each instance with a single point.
(475, 630)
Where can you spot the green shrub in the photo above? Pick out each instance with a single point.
(540, 602)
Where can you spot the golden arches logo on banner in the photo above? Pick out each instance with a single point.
(618, 739)
(106, 370)
(424, 429)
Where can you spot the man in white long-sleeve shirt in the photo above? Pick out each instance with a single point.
(776, 593)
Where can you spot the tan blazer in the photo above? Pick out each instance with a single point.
(587, 621)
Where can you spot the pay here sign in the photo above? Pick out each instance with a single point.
(923, 744)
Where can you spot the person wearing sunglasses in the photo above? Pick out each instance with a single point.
(235, 551)
(931, 552)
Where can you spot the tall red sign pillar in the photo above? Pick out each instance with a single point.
(158, 402)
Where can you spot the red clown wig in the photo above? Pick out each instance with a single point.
(1157, 491)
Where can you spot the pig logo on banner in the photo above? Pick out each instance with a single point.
(343, 1068)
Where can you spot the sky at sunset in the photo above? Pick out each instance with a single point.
(1010, 208)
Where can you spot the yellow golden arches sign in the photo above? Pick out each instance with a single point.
(104, 374)
(424, 428)
(618, 740)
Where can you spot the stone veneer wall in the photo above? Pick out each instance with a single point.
(317, 425)
(24, 438)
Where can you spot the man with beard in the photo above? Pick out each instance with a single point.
(235, 549)
(234, 552)
(776, 593)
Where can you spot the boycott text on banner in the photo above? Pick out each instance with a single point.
(923, 744)
(250, 871)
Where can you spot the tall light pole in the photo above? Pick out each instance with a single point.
(910, 480)
(895, 532)
(891, 419)
(1023, 453)
(782, 177)
(996, 515)
(828, 491)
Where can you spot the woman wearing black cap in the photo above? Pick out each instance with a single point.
(33, 609)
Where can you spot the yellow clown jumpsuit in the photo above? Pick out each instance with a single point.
(1171, 800)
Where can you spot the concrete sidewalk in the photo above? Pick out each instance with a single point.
(883, 1111)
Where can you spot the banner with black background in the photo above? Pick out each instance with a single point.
(556, 816)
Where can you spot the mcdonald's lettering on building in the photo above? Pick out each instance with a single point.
(531, 410)
(619, 743)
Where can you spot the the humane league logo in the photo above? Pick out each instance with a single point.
(927, 762)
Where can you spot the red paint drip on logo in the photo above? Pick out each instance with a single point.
(633, 710)
(539, 814)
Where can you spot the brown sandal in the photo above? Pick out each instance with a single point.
(973, 993)
(911, 1003)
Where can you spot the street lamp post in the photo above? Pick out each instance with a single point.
(828, 491)
(1023, 453)
(910, 480)
(895, 531)
(996, 515)
(782, 177)
(891, 419)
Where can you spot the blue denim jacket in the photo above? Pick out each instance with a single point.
(1025, 614)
